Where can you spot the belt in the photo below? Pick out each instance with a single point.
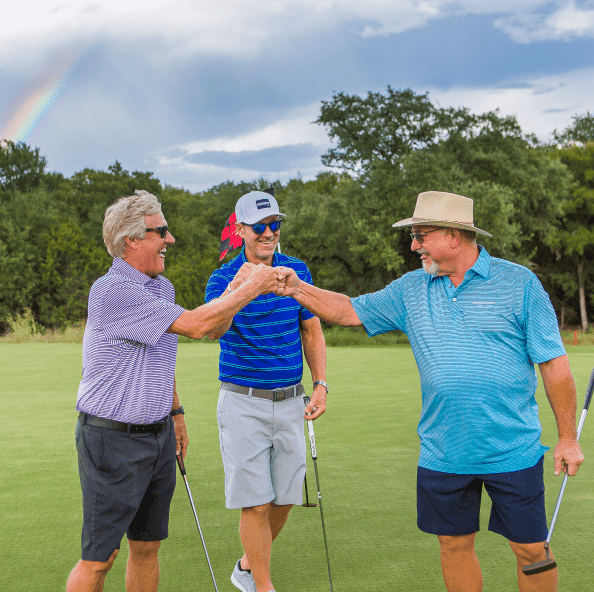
(276, 395)
(120, 426)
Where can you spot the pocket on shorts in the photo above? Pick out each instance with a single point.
(221, 407)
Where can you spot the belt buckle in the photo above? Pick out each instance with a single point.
(278, 395)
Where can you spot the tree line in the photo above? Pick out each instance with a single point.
(537, 199)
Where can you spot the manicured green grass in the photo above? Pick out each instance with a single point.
(367, 453)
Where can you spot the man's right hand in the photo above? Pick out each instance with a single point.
(242, 275)
(288, 281)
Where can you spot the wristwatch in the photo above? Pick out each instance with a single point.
(177, 411)
(323, 384)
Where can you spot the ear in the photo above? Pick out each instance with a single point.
(131, 242)
(239, 229)
(456, 236)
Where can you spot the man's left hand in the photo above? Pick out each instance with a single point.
(181, 435)
(568, 456)
(317, 405)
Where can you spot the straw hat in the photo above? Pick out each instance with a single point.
(437, 208)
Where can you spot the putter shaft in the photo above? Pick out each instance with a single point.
(314, 457)
(550, 563)
(182, 470)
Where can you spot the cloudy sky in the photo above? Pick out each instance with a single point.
(205, 91)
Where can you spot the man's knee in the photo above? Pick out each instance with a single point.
(257, 512)
(144, 549)
(528, 553)
(456, 545)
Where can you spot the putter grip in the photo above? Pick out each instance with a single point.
(180, 462)
(589, 391)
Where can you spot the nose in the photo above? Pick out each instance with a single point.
(169, 238)
(416, 245)
(267, 232)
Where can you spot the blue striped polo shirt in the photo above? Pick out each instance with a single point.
(128, 358)
(262, 348)
(475, 347)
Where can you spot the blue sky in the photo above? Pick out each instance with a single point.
(216, 90)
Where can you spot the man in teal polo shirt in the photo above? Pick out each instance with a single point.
(260, 410)
(476, 325)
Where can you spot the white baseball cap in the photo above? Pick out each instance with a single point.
(255, 206)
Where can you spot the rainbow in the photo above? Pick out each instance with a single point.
(34, 102)
(31, 109)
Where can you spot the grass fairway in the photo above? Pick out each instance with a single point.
(367, 454)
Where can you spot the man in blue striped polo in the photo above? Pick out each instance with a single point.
(476, 325)
(260, 410)
(131, 424)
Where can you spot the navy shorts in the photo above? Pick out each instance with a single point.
(449, 504)
(127, 483)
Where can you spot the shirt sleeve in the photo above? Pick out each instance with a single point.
(216, 285)
(131, 312)
(382, 311)
(543, 340)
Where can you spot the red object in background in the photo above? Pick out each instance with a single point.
(229, 238)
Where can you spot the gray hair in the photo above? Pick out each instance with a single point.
(125, 218)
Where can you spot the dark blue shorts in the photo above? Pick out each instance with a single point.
(127, 483)
(449, 504)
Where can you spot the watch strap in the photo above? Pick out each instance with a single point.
(323, 383)
(178, 411)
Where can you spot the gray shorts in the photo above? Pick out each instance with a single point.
(263, 449)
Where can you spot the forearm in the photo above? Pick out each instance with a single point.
(221, 329)
(314, 350)
(329, 306)
(561, 392)
(212, 317)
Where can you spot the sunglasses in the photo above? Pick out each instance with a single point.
(162, 230)
(260, 227)
(420, 236)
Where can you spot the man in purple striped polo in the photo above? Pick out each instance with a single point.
(131, 423)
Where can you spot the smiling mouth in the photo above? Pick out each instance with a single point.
(162, 253)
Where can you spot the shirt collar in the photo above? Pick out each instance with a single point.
(243, 258)
(483, 263)
(126, 269)
(481, 266)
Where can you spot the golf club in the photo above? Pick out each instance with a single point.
(307, 503)
(182, 470)
(549, 562)
(314, 457)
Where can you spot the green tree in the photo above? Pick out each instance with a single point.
(71, 264)
(575, 237)
(387, 127)
(21, 167)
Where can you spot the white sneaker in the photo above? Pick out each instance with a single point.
(243, 579)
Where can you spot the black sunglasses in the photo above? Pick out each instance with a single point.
(420, 236)
(260, 227)
(162, 230)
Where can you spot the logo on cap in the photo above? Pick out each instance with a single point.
(262, 204)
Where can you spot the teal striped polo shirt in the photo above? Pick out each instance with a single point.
(475, 347)
(262, 348)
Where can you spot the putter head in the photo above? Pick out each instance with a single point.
(309, 505)
(540, 566)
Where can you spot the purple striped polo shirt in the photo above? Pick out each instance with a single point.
(128, 358)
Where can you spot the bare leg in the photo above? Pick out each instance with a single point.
(547, 581)
(89, 576)
(142, 570)
(459, 564)
(258, 527)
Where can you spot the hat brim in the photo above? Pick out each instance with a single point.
(258, 219)
(412, 221)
